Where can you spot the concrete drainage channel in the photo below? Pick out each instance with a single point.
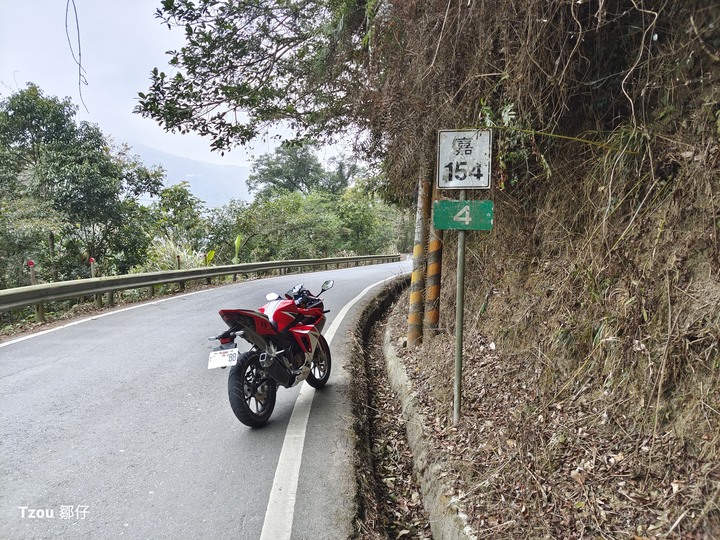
(445, 522)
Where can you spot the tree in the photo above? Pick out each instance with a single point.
(304, 210)
(130, 244)
(30, 123)
(25, 228)
(224, 224)
(54, 168)
(297, 168)
(370, 225)
(292, 225)
(290, 168)
(178, 217)
(96, 191)
(250, 63)
(343, 172)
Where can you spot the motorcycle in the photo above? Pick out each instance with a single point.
(287, 347)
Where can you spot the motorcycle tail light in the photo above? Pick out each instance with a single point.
(225, 340)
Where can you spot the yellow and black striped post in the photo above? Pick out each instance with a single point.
(432, 288)
(417, 281)
(434, 267)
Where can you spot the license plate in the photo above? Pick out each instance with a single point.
(223, 358)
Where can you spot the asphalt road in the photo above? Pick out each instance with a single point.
(113, 427)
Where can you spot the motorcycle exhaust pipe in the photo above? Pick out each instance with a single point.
(268, 359)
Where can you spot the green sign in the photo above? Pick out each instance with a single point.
(463, 215)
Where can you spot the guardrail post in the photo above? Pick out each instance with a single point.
(110, 299)
(181, 284)
(39, 308)
(98, 298)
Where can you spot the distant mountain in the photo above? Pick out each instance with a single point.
(211, 183)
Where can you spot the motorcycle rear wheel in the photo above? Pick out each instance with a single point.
(321, 364)
(251, 391)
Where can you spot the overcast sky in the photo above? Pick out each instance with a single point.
(121, 42)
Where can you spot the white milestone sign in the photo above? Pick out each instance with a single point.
(464, 159)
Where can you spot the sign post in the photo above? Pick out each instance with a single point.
(463, 163)
(459, 321)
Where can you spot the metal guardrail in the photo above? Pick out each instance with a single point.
(48, 292)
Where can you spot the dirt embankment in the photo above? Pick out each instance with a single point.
(581, 459)
(592, 352)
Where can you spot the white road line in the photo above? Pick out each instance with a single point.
(281, 506)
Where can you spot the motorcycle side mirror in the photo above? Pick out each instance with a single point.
(272, 296)
(327, 285)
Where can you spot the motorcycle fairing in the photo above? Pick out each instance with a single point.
(281, 313)
(307, 338)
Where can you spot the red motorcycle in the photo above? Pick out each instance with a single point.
(287, 348)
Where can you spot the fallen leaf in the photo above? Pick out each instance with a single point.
(578, 475)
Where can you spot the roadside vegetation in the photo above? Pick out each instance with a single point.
(68, 195)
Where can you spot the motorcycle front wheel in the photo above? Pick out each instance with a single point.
(251, 391)
(321, 364)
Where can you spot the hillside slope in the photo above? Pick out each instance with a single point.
(596, 412)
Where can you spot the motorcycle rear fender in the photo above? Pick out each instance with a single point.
(256, 327)
(247, 318)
